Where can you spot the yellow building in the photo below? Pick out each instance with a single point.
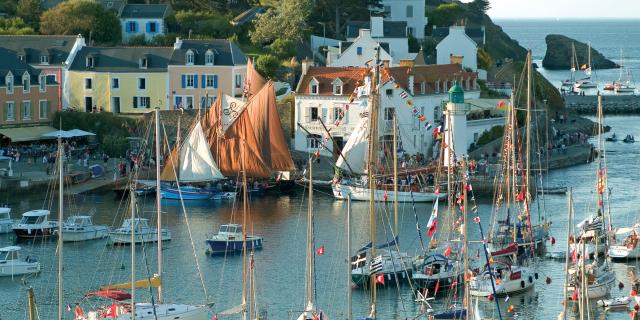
(119, 79)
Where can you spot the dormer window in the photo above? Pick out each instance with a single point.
(337, 86)
(90, 62)
(42, 81)
(21, 57)
(437, 86)
(423, 87)
(44, 59)
(26, 82)
(143, 63)
(208, 58)
(190, 57)
(9, 81)
(314, 86)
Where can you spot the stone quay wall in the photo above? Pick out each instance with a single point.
(611, 104)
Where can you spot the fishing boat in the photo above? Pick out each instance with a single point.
(627, 245)
(613, 138)
(81, 228)
(34, 224)
(12, 264)
(141, 231)
(359, 192)
(436, 269)
(5, 220)
(230, 239)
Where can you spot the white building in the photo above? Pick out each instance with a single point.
(411, 11)
(143, 19)
(323, 93)
(359, 52)
(458, 47)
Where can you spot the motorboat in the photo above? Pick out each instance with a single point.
(230, 239)
(34, 224)
(81, 228)
(628, 247)
(599, 279)
(609, 87)
(436, 268)
(388, 262)
(142, 232)
(507, 279)
(613, 138)
(194, 193)
(629, 139)
(11, 264)
(621, 303)
(5, 220)
(359, 192)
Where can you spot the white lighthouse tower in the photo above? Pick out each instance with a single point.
(455, 126)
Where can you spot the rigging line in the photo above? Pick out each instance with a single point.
(186, 218)
(146, 267)
(395, 271)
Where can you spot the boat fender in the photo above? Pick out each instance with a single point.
(522, 284)
(530, 279)
(536, 275)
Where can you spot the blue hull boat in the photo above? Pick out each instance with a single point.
(193, 193)
(229, 240)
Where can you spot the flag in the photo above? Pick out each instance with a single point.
(79, 312)
(520, 197)
(404, 95)
(376, 265)
(447, 252)
(573, 256)
(574, 295)
(435, 291)
(468, 187)
(112, 311)
(553, 240)
(437, 130)
(359, 260)
(68, 308)
(422, 118)
(476, 219)
(380, 278)
(385, 196)
(502, 105)
(432, 225)
(320, 251)
(506, 299)
(427, 125)
(409, 102)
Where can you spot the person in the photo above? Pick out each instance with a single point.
(105, 157)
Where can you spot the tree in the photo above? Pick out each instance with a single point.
(446, 14)
(329, 16)
(82, 17)
(205, 24)
(267, 65)
(29, 11)
(290, 20)
(484, 59)
(138, 40)
(477, 9)
(14, 26)
(283, 48)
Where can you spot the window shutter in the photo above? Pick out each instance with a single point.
(135, 102)
(204, 81)
(184, 81)
(148, 100)
(195, 80)
(135, 27)
(307, 114)
(345, 117)
(215, 81)
(324, 115)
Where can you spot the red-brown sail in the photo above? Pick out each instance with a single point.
(279, 150)
(253, 81)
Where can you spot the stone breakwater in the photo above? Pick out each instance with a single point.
(611, 104)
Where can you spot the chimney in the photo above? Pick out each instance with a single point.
(364, 33)
(377, 27)
(306, 64)
(178, 44)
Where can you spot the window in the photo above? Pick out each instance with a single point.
(411, 32)
(42, 82)
(142, 83)
(208, 58)
(359, 51)
(438, 86)
(190, 57)
(143, 63)
(9, 81)
(132, 26)
(26, 110)
(423, 87)
(314, 141)
(44, 59)
(338, 115)
(191, 80)
(313, 89)
(387, 10)
(314, 113)
(89, 62)
(210, 100)
(43, 109)
(152, 27)
(388, 113)
(238, 81)
(21, 57)
(476, 136)
(211, 81)
(10, 110)
(141, 102)
(26, 83)
(115, 83)
(337, 89)
(88, 83)
(409, 11)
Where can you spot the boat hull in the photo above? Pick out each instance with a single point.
(76, 236)
(481, 285)
(364, 279)
(233, 246)
(16, 268)
(124, 238)
(163, 312)
(624, 252)
(341, 192)
(5, 226)
(28, 233)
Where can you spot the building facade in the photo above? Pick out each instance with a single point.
(411, 11)
(143, 19)
(458, 47)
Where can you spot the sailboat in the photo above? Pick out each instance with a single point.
(157, 309)
(586, 82)
(625, 82)
(574, 62)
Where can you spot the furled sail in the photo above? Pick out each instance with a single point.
(153, 282)
(356, 149)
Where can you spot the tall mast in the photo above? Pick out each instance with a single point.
(245, 200)
(158, 208)
(528, 126)
(310, 237)
(60, 225)
(349, 256)
(467, 301)
(132, 194)
(395, 175)
(31, 305)
(566, 262)
(373, 138)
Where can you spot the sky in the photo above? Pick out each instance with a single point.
(587, 9)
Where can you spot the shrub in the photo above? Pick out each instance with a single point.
(267, 65)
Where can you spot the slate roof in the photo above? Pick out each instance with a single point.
(145, 11)
(34, 46)
(123, 59)
(390, 29)
(476, 34)
(430, 74)
(9, 62)
(226, 53)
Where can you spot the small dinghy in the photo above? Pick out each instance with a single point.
(556, 255)
(621, 303)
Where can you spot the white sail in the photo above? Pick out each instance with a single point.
(356, 149)
(231, 109)
(196, 161)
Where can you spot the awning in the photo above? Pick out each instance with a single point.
(22, 134)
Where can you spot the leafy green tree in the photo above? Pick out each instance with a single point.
(484, 59)
(330, 16)
(14, 26)
(476, 10)
(202, 23)
(267, 65)
(8, 7)
(29, 11)
(290, 20)
(446, 14)
(82, 17)
(283, 48)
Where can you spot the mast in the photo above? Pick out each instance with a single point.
(158, 208)
(245, 199)
(32, 311)
(348, 256)
(466, 301)
(395, 175)
(566, 263)
(373, 138)
(132, 193)
(310, 237)
(60, 225)
(528, 126)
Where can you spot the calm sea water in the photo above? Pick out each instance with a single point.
(606, 36)
(280, 266)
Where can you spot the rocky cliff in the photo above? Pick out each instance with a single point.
(558, 55)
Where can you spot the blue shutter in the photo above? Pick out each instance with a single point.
(215, 81)
(204, 81)
(135, 27)
(195, 80)
(184, 81)
(128, 27)
(359, 51)
(148, 27)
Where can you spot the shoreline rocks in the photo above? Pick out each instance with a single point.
(558, 54)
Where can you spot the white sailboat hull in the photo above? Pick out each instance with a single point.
(162, 311)
(589, 249)
(481, 284)
(624, 252)
(5, 226)
(125, 237)
(341, 192)
(89, 233)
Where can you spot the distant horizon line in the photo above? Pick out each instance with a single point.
(563, 18)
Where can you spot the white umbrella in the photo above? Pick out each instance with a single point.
(80, 133)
